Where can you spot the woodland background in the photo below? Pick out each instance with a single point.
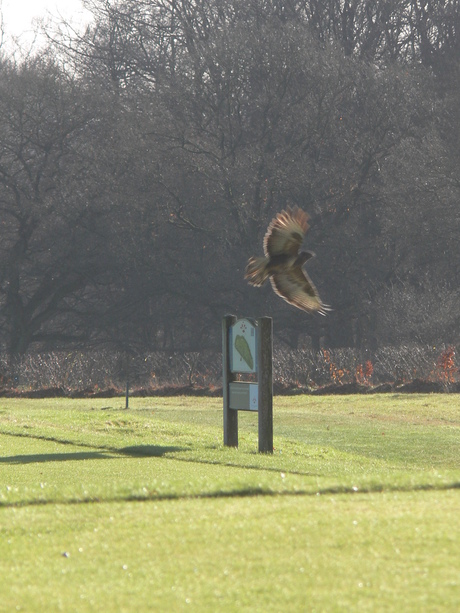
(142, 159)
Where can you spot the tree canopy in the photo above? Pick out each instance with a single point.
(141, 160)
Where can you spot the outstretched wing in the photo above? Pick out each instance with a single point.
(295, 286)
(285, 233)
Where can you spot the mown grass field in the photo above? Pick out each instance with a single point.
(107, 509)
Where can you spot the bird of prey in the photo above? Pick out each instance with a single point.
(283, 262)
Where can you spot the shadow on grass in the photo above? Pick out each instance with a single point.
(244, 492)
(148, 451)
(155, 451)
(106, 452)
(53, 457)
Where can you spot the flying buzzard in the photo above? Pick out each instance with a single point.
(283, 262)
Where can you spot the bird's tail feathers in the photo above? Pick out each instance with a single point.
(256, 271)
(325, 309)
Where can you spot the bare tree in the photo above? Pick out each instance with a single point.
(49, 242)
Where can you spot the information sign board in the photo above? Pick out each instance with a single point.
(247, 347)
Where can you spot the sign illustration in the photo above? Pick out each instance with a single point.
(243, 346)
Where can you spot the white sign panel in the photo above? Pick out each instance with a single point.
(244, 396)
(243, 346)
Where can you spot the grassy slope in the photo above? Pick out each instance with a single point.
(357, 509)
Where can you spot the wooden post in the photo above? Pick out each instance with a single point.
(230, 415)
(265, 375)
(127, 381)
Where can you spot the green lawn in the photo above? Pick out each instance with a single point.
(103, 509)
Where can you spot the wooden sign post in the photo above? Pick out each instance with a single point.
(247, 347)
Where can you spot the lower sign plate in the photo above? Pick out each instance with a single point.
(244, 396)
